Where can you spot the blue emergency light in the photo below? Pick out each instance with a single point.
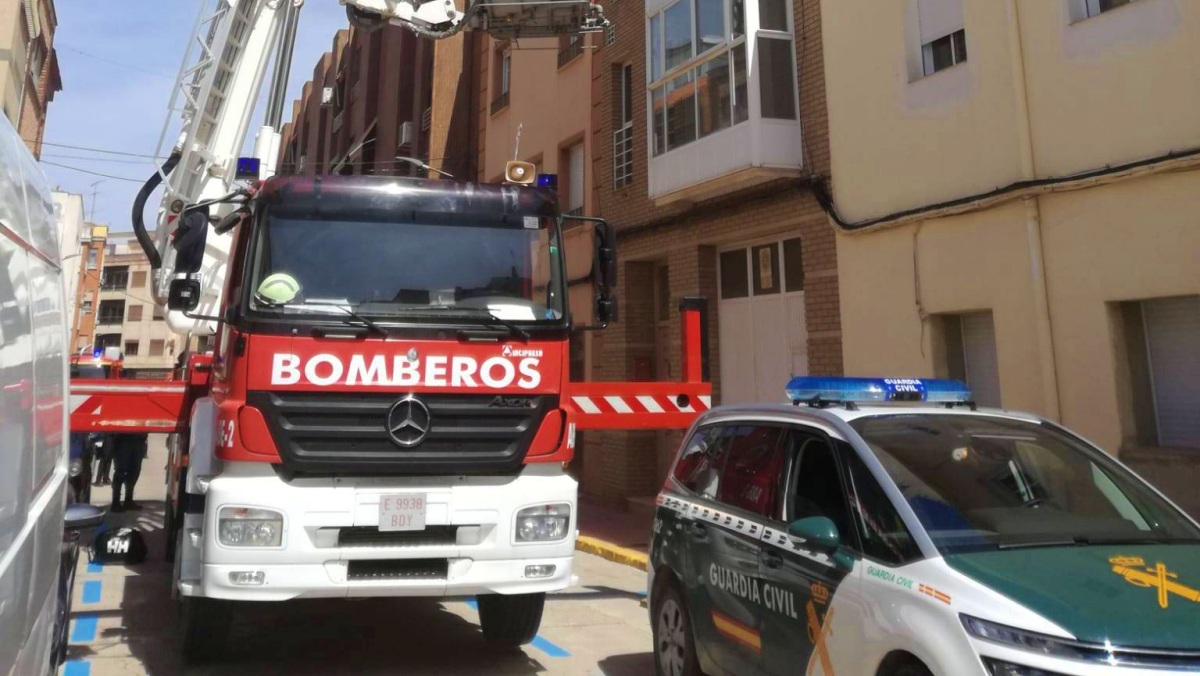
(248, 168)
(855, 390)
(547, 181)
(99, 352)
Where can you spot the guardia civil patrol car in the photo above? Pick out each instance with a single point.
(887, 527)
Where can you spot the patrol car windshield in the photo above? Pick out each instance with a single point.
(978, 482)
(310, 267)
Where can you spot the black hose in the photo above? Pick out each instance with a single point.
(139, 207)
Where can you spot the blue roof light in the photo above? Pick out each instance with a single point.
(547, 181)
(248, 168)
(808, 388)
(99, 352)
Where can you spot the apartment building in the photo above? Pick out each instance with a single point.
(92, 248)
(709, 126)
(29, 75)
(127, 317)
(362, 108)
(1016, 186)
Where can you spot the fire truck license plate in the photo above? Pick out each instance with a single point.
(402, 512)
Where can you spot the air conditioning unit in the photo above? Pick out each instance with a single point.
(406, 133)
(327, 96)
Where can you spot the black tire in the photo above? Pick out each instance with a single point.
(510, 620)
(204, 628)
(674, 639)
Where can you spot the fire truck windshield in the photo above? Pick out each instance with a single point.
(308, 266)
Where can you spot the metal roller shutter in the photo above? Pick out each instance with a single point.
(1173, 344)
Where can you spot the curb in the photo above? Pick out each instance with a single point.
(616, 553)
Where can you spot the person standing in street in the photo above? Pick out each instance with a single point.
(102, 454)
(128, 451)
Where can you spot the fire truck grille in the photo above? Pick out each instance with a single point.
(397, 569)
(346, 434)
(369, 536)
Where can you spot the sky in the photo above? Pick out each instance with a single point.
(119, 60)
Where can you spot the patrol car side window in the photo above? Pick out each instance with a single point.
(882, 533)
(699, 466)
(817, 488)
(752, 471)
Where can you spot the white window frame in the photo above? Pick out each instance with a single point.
(1091, 8)
(505, 72)
(726, 47)
(623, 135)
(927, 65)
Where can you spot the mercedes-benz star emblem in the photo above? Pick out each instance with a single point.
(408, 422)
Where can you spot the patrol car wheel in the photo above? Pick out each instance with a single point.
(674, 642)
(205, 628)
(510, 620)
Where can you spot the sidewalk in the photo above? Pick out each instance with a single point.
(618, 536)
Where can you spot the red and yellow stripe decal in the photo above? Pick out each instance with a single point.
(930, 591)
(738, 632)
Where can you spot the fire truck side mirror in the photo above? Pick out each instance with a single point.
(604, 273)
(184, 295)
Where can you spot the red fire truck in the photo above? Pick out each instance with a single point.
(387, 409)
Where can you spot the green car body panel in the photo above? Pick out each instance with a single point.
(1133, 596)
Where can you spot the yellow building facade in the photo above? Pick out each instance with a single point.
(1016, 185)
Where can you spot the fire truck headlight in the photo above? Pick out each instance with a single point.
(249, 527)
(543, 523)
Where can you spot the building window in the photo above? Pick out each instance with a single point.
(157, 347)
(131, 348)
(762, 270)
(158, 313)
(942, 34)
(623, 136)
(93, 258)
(969, 348)
(1097, 7)
(1161, 340)
(111, 312)
(87, 307)
(569, 47)
(575, 184)
(610, 35)
(107, 340)
(114, 279)
(698, 74)
(502, 80)
(138, 280)
(135, 313)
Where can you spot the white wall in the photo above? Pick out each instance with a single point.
(68, 209)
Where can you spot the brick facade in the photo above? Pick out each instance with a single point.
(41, 83)
(379, 83)
(686, 237)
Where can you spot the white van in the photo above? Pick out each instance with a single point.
(34, 582)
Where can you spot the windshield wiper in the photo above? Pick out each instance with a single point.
(513, 329)
(351, 314)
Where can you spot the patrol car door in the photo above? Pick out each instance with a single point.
(799, 581)
(728, 532)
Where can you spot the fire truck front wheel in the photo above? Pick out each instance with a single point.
(204, 627)
(510, 620)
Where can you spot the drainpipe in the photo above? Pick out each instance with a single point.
(1033, 225)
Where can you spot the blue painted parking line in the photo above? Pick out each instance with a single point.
(93, 568)
(91, 591)
(85, 629)
(549, 648)
(77, 668)
(642, 594)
